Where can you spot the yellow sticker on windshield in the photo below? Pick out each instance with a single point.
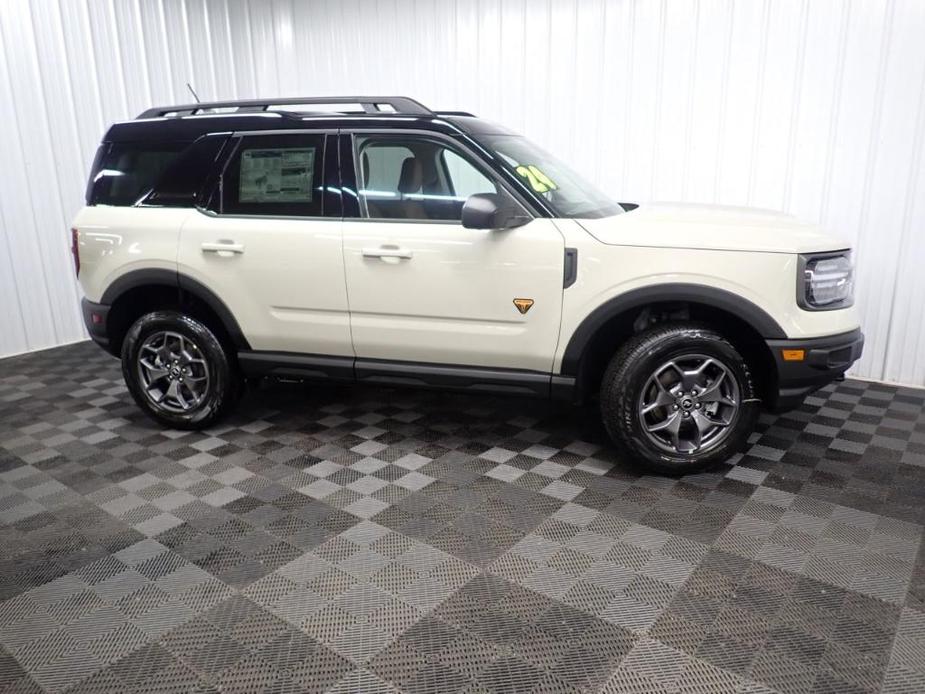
(544, 179)
(539, 181)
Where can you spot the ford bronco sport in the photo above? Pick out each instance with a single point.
(372, 240)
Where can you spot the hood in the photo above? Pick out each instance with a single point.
(711, 227)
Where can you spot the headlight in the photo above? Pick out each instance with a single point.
(825, 281)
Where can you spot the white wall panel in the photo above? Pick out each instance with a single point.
(814, 107)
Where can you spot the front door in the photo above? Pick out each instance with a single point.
(423, 288)
(268, 251)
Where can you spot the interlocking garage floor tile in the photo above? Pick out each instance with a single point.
(369, 540)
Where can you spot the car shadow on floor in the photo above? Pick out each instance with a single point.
(443, 411)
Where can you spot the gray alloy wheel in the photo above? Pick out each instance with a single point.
(173, 372)
(678, 398)
(689, 404)
(179, 373)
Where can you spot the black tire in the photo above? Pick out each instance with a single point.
(629, 379)
(223, 384)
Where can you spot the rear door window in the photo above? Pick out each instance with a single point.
(126, 171)
(276, 175)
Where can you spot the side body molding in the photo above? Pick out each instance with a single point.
(743, 309)
(170, 278)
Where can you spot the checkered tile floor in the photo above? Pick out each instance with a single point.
(367, 540)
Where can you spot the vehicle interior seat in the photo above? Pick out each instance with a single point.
(411, 182)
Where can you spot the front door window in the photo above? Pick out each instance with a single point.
(415, 178)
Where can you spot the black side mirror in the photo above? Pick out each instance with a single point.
(492, 211)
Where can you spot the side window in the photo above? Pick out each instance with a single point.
(415, 178)
(276, 175)
(465, 178)
(182, 182)
(128, 170)
(382, 169)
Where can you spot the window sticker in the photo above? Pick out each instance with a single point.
(276, 175)
(539, 181)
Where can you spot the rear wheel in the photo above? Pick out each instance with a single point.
(177, 371)
(679, 398)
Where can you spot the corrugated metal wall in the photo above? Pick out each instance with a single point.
(815, 107)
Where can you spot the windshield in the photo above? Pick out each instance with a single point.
(567, 193)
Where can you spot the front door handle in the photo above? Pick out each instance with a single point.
(388, 252)
(223, 248)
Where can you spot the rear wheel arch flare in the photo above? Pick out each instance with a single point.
(137, 292)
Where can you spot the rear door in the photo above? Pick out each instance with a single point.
(270, 246)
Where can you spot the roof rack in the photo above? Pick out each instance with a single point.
(369, 104)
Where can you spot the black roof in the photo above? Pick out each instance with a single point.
(191, 121)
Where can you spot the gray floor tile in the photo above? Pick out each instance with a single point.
(376, 540)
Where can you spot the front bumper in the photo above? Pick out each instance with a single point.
(95, 317)
(825, 359)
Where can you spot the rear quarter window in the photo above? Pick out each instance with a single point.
(184, 179)
(125, 171)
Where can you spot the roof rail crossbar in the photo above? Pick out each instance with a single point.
(369, 104)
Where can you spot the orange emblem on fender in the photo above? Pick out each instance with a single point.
(523, 305)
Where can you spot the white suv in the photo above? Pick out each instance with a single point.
(382, 242)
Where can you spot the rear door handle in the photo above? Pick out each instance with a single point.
(223, 248)
(388, 252)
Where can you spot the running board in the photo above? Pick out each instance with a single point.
(313, 367)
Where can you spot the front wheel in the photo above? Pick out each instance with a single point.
(177, 371)
(679, 398)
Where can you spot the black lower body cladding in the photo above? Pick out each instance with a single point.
(822, 360)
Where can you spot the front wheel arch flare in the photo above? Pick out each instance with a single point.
(743, 309)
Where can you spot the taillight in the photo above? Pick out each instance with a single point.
(75, 250)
